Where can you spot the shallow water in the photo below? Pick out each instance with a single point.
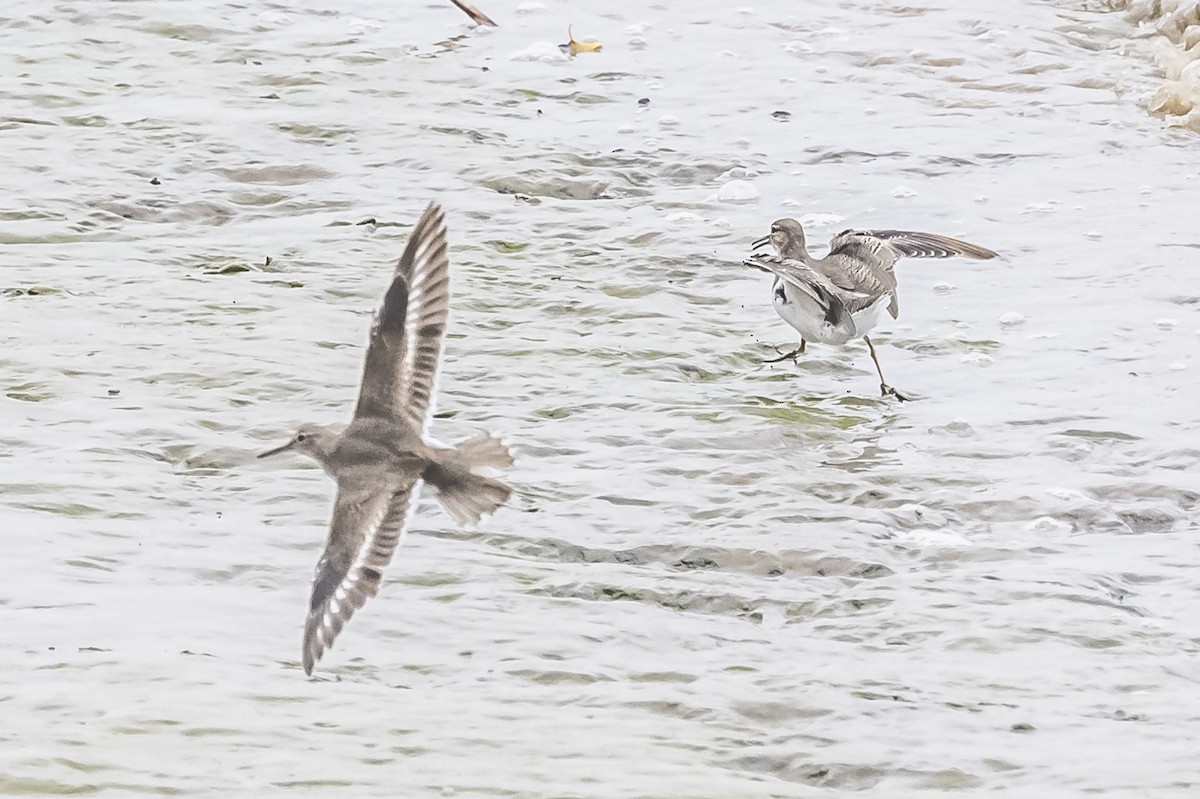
(1169, 31)
(721, 578)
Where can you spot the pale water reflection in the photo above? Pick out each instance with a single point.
(721, 578)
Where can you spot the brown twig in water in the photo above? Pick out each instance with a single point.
(477, 16)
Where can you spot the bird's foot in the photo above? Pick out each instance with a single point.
(887, 391)
(784, 356)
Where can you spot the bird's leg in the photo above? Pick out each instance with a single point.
(884, 388)
(784, 356)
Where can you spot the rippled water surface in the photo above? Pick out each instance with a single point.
(720, 577)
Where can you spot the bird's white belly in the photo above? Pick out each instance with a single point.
(866, 319)
(806, 316)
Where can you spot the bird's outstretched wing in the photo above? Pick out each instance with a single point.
(406, 336)
(864, 250)
(367, 527)
(806, 279)
(913, 244)
(866, 259)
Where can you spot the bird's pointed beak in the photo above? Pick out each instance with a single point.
(277, 450)
(760, 243)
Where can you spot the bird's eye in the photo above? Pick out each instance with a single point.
(301, 436)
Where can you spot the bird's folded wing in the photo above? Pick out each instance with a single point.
(368, 525)
(406, 337)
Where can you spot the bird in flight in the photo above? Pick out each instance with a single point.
(382, 458)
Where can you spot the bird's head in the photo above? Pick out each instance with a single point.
(313, 440)
(786, 236)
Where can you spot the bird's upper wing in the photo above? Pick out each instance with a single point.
(806, 279)
(406, 334)
(862, 261)
(865, 250)
(368, 525)
(913, 244)
(866, 259)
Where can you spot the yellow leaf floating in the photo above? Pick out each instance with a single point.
(575, 48)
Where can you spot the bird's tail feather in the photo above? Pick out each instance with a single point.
(484, 451)
(465, 495)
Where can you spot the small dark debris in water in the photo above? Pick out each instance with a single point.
(50, 648)
(1022, 727)
(539, 112)
(267, 262)
(485, 69)
(271, 96)
(93, 649)
(370, 220)
(256, 63)
(783, 115)
(33, 292)
(112, 392)
(219, 514)
(155, 182)
(644, 101)
(198, 654)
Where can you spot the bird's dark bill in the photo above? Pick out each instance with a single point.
(760, 243)
(277, 450)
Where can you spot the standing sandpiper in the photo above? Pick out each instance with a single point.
(841, 296)
(381, 459)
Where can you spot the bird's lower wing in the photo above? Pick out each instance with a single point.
(366, 530)
(804, 278)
